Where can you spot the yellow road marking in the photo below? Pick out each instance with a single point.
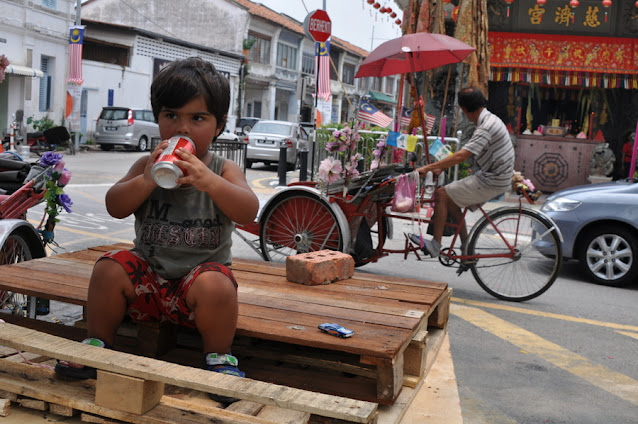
(602, 377)
(627, 333)
(546, 314)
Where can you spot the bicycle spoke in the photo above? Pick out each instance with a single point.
(531, 269)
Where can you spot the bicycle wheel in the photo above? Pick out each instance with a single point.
(298, 223)
(537, 254)
(15, 249)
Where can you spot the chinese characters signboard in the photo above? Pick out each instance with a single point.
(590, 17)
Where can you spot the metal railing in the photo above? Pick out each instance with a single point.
(232, 150)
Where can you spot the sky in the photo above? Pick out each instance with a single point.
(352, 20)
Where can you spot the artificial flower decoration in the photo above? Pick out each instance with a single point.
(57, 176)
(4, 62)
(330, 170)
(342, 143)
(378, 153)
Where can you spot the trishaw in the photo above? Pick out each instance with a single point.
(514, 253)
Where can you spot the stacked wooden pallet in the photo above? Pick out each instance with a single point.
(398, 323)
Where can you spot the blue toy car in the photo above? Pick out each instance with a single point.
(336, 330)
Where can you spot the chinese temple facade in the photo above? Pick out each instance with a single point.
(562, 74)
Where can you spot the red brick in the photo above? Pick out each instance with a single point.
(320, 267)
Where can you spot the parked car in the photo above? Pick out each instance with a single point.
(599, 223)
(228, 136)
(266, 138)
(122, 126)
(245, 125)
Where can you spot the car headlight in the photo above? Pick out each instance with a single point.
(560, 204)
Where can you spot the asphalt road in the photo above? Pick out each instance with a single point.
(568, 356)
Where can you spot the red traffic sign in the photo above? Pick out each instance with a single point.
(318, 25)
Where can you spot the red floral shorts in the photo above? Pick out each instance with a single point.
(159, 299)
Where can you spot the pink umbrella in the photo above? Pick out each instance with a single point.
(414, 53)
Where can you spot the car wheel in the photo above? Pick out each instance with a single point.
(249, 163)
(142, 145)
(106, 147)
(608, 254)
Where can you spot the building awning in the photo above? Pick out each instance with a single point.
(381, 97)
(24, 71)
(564, 60)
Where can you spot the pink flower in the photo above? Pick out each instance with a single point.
(330, 170)
(57, 169)
(64, 178)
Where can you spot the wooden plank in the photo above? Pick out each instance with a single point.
(43, 384)
(4, 407)
(155, 370)
(366, 306)
(300, 329)
(63, 411)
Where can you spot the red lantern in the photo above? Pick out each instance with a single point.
(393, 15)
(388, 10)
(382, 10)
(370, 1)
(398, 22)
(376, 5)
(508, 6)
(574, 3)
(606, 3)
(541, 2)
(636, 3)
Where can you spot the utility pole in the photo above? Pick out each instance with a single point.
(78, 21)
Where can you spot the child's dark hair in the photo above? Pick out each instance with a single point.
(181, 80)
(472, 99)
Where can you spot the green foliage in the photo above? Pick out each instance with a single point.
(248, 43)
(41, 124)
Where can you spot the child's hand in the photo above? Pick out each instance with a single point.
(148, 176)
(196, 172)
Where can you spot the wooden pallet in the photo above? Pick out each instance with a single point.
(42, 384)
(277, 340)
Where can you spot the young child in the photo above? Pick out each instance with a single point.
(178, 269)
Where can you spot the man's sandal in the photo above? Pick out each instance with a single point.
(78, 371)
(223, 364)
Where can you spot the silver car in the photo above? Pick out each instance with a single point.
(599, 223)
(266, 138)
(122, 126)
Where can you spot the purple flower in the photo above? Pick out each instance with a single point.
(50, 159)
(65, 201)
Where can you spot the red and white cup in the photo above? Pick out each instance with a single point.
(165, 173)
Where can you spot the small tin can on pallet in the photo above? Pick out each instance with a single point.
(165, 173)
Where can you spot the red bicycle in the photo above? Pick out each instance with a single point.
(513, 252)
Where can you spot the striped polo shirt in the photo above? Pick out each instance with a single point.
(493, 151)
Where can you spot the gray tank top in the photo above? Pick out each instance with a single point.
(176, 230)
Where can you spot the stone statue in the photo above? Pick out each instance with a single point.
(602, 161)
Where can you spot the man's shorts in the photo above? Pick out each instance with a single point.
(159, 299)
(469, 191)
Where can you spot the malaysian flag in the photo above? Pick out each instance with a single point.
(371, 114)
(76, 37)
(322, 63)
(429, 123)
(406, 116)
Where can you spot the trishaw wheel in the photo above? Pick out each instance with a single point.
(15, 249)
(298, 223)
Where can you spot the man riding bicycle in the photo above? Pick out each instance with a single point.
(493, 153)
